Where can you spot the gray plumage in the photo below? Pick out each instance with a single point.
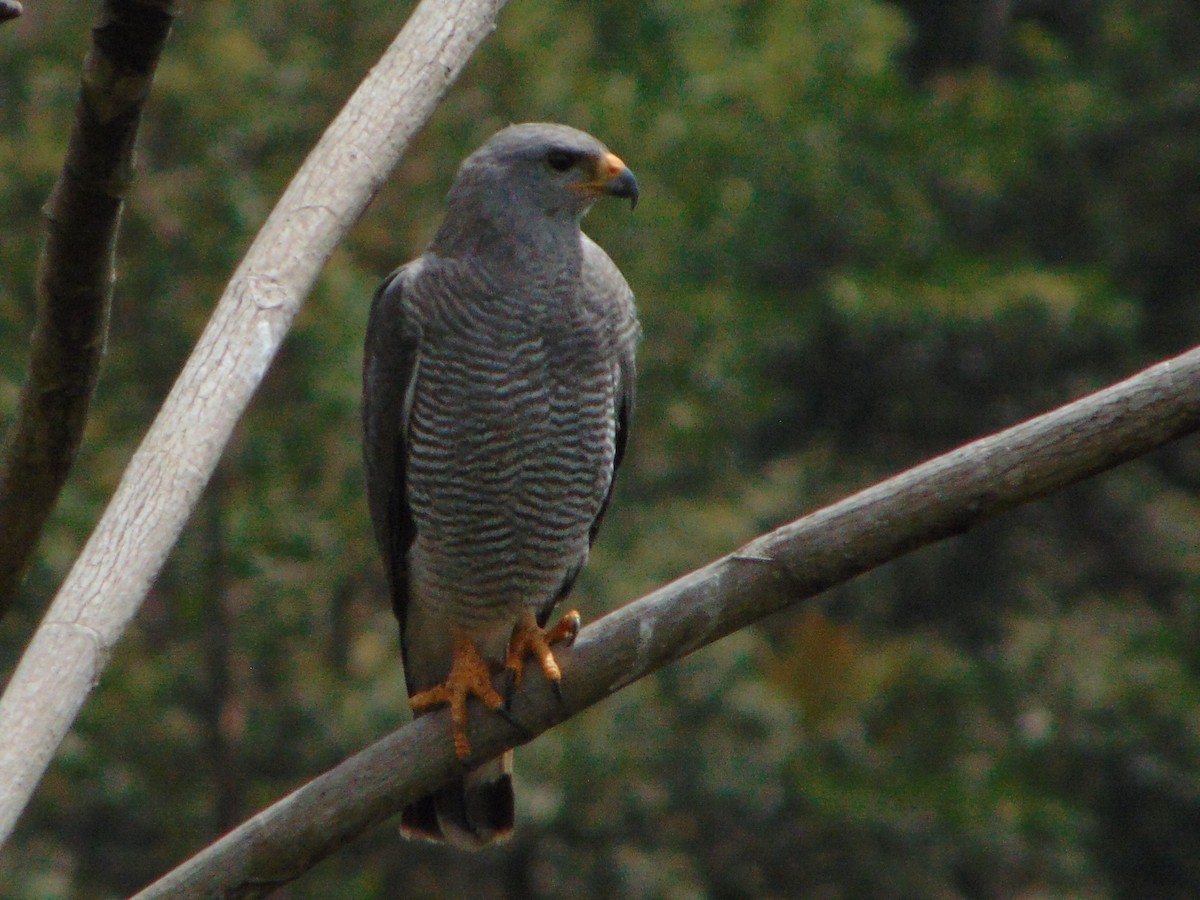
(498, 382)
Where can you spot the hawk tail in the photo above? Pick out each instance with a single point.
(470, 813)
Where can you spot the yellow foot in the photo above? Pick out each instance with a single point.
(530, 640)
(469, 674)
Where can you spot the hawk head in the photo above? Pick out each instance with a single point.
(541, 168)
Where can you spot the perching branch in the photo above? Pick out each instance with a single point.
(169, 470)
(945, 496)
(75, 275)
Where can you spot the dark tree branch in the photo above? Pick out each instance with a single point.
(945, 496)
(75, 275)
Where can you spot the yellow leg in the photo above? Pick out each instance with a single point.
(469, 674)
(530, 640)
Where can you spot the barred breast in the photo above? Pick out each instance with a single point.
(511, 446)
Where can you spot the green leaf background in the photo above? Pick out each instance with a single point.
(868, 232)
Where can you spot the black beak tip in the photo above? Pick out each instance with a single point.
(624, 186)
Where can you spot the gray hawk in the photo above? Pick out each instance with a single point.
(498, 382)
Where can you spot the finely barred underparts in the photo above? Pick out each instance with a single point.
(498, 382)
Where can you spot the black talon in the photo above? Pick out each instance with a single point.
(510, 687)
(512, 720)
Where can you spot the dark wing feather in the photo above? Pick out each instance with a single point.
(624, 408)
(390, 362)
(611, 302)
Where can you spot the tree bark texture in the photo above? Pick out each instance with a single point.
(75, 275)
(942, 497)
(164, 479)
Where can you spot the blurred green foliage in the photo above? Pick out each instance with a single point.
(869, 232)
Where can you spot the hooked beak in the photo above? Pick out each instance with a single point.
(613, 178)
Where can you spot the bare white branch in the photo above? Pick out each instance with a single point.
(164, 479)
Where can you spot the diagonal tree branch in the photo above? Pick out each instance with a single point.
(945, 496)
(75, 275)
(169, 470)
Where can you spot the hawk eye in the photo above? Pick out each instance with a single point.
(561, 160)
